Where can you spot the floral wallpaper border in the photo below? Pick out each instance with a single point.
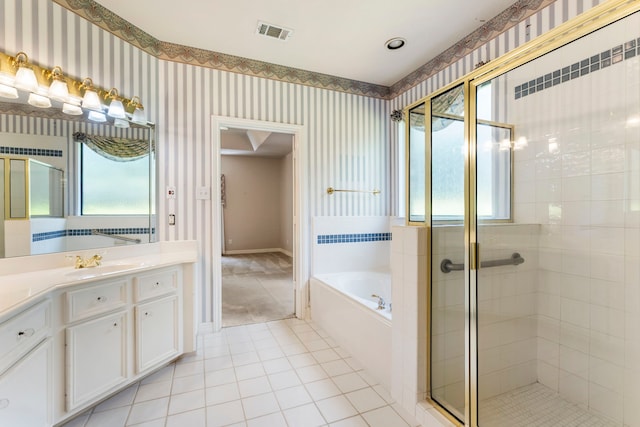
(116, 25)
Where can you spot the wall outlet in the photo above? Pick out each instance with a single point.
(203, 193)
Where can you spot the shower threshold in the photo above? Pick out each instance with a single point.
(535, 405)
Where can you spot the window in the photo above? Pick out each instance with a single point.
(100, 176)
(447, 159)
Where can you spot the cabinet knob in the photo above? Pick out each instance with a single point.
(155, 285)
(26, 333)
(101, 299)
(4, 403)
(115, 324)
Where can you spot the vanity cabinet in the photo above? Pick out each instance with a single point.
(25, 368)
(96, 357)
(118, 329)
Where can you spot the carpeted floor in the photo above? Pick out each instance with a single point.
(256, 288)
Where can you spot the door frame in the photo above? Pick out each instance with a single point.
(300, 210)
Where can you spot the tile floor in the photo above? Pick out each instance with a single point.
(256, 288)
(285, 373)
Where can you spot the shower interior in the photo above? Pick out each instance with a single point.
(558, 336)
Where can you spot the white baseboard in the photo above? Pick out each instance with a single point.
(258, 251)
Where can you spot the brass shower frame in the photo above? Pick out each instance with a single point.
(585, 23)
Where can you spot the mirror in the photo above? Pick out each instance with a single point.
(69, 184)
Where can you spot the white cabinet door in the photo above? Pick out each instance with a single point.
(157, 332)
(25, 390)
(96, 358)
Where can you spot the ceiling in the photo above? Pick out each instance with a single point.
(242, 142)
(336, 37)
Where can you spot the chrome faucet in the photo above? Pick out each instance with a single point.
(94, 261)
(381, 303)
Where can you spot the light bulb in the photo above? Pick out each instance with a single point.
(97, 117)
(139, 116)
(72, 110)
(91, 100)
(121, 123)
(116, 109)
(39, 101)
(8, 91)
(59, 90)
(26, 79)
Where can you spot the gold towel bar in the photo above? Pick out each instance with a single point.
(332, 190)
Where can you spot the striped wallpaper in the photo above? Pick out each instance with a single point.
(351, 141)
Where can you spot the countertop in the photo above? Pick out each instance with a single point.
(25, 286)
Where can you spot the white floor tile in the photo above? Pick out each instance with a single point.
(224, 376)
(221, 394)
(336, 408)
(272, 420)
(349, 382)
(241, 347)
(254, 386)
(384, 417)
(224, 414)
(111, 418)
(197, 418)
(257, 406)
(79, 421)
(355, 365)
(356, 421)
(322, 389)
(304, 416)
(293, 349)
(277, 365)
(253, 370)
(218, 363)
(311, 373)
(317, 345)
(326, 355)
(306, 337)
(336, 367)
(284, 380)
(365, 399)
(263, 344)
(153, 391)
(147, 411)
(186, 369)
(164, 374)
(270, 353)
(292, 397)
(186, 402)
(245, 358)
(384, 393)
(302, 360)
(160, 422)
(124, 398)
(187, 384)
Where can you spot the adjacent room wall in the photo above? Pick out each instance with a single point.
(286, 204)
(253, 209)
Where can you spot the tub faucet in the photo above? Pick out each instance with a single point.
(381, 303)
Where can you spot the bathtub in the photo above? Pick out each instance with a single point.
(342, 305)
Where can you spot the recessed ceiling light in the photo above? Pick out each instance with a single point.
(395, 43)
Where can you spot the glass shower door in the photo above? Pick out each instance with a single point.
(446, 141)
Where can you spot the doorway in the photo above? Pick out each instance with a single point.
(257, 226)
(299, 230)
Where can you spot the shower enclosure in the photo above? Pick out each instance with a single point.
(531, 171)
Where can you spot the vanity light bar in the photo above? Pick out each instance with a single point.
(77, 96)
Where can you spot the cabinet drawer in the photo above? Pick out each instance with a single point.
(155, 284)
(96, 299)
(23, 332)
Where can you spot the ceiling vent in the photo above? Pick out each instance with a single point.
(273, 31)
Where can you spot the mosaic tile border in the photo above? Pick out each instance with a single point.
(30, 151)
(48, 235)
(109, 21)
(594, 63)
(324, 239)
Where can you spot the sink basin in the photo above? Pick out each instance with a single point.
(103, 270)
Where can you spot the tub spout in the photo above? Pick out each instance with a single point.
(381, 303)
